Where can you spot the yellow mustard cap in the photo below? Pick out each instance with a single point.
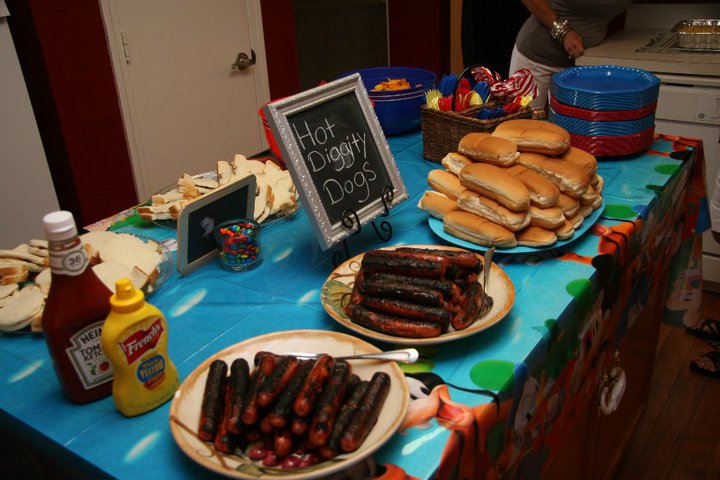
(126, 297)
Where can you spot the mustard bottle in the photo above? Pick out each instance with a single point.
(135, 340)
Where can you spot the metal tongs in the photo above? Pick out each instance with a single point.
(406, 355)
(487, 266)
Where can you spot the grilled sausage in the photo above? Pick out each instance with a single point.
(367, 413)
(449, 289)
(329, 404)
(391, 325)
(401, 291)
(279, 413)
(300, 425)
(471, 309)
(314, 383)
(350, 405)
(283, 442)
(250, 413)
(277, 380)
(408, 310)
(224, 440)
(383, 261)
(461, 258)
(211, 409)
(237, 388)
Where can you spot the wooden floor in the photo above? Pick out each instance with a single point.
(678, 436)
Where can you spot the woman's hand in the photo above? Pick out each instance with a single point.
(573, 44)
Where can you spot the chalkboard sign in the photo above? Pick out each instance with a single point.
(337, 155)
(196, 244)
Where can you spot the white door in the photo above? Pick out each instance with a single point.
(184, 106)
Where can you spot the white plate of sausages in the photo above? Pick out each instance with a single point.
(188, 412)
(340, 288)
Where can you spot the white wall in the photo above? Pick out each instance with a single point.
(26, 188)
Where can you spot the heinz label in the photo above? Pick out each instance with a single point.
(88, 358)
(135, 345)
(72, 261)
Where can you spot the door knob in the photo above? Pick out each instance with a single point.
(242, 61)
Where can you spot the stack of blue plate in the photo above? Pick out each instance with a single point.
(608, 110)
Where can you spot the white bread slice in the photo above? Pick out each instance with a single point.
(43, 280)
(39, 243)
(169, 197)
(21, 255)
(11, 297)
(7, 290)
(20, 312)
(111, 272)
(224, 172)
(131, 251)
(12, 267)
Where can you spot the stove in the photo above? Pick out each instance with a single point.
(669, 42)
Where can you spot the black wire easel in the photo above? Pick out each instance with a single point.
(351, 220)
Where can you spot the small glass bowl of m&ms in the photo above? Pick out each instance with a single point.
(238, 243)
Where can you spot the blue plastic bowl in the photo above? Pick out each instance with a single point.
(399, 115)
(419, 79)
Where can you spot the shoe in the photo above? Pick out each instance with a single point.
(709, 329)
(710, 359)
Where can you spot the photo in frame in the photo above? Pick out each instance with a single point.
(196, 245)
(338, 157)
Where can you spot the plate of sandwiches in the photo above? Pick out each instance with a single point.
(26, 279)
(521, 189)
(275, 197)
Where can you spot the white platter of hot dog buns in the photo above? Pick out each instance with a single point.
(254, 411)
(520, 189)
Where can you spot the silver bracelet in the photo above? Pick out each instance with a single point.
(559, 29)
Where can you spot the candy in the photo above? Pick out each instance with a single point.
(239, 244)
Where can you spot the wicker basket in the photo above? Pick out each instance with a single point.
(442, 131)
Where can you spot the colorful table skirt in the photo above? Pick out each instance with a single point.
(543, 360)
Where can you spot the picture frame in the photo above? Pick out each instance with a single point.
(338, 157)
(196, 245)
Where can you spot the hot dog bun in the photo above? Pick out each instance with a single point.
(445, 182)
(568, 205)
(478, 230)
(543, 192)
(483, 147)
(496, 183)
(536, 237)
(455, 162)
(492, 210)
(580, 158)
(535, 136)
(569, 178)
(436, 204)
(550, 218)
(565, 231)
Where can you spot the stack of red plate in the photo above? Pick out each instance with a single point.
(607, 145)
(608, 110)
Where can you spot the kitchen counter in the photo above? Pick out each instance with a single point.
(621, 49)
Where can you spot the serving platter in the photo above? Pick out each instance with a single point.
(336, 291)
(437, 227)
(185, 407)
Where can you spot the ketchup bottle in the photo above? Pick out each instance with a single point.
(76, 307)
